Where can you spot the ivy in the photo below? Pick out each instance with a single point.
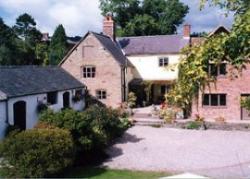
(234, 48)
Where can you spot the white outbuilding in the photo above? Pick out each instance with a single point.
(25, 90)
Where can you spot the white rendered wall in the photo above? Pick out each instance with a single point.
(3, 118)
(32, 102)
(147, 67)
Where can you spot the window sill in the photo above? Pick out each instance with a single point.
(214, 107)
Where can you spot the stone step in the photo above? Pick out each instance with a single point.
(145, 115)
(148, 122)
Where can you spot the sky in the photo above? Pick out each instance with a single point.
(80, 16)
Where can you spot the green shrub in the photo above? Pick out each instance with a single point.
(131, 99)
(168, 115)
(91, 129)
(193, 125)
(37, 152)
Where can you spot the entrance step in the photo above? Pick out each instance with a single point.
(148, 121)
(145, 115)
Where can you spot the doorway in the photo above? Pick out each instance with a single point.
(66, 100)
(245, 114)
(19, 109)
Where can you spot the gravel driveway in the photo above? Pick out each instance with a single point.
(217, 154)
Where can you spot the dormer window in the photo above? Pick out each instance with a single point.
(163, 61)
(89, 72)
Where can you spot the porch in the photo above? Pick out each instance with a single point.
(149, 92)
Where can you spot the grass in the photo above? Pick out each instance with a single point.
(103, 173)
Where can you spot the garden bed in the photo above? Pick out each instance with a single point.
(211, 125)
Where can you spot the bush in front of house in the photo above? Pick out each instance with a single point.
(37, 152)
(168, 115)
(92, 129)
(194, 125)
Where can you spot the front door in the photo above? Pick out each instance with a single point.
(66, 100)
(245, 114)
(19, 109)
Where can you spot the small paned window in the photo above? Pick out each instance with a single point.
(163, 61)
(89, 72)
(101, 94)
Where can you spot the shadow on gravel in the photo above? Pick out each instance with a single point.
(128, 138)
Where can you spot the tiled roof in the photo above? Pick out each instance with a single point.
(159, 44)
(107, 43)
(26, 80)
(112, 47)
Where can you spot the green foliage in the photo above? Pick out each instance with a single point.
(234, 48)
(91, 129)
(131, 99)
(8, 47)
(245, 103)
(168, 115)
(25, 28)
(193, 125)
(28, 38)
(147, 17)
(42, 53)
(237, 6)
(58, 46)
(37, 152)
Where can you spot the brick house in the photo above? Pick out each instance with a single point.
(222, 98)
(110, 66)
(99, 63)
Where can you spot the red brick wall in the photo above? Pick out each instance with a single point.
(108, 71)
(233, 88)
(109, 27)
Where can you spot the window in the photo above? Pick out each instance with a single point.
(101, 94)
(52, 98)
(88, 72)
(214, 100)
(78, 92)
(163, 61)
(216, 70)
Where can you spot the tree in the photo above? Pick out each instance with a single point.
(8, 48)
(58, 46)
(25, 29)
(145, 17)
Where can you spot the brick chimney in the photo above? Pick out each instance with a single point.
(109, 26)
(186, 30)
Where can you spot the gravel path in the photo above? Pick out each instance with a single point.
(217, 154)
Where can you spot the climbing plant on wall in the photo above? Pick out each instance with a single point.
(234, 48)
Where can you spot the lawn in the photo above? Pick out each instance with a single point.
(103, 173)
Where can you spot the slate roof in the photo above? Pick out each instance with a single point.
(27, 80)
(108, 44)
(158, 44)
(112, 47)
(2, 96)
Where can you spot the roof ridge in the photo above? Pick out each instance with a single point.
(143, 36)
(103, 35)
(27, 66)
